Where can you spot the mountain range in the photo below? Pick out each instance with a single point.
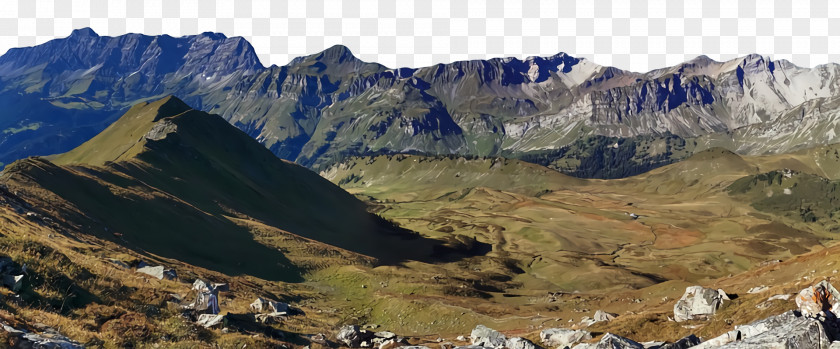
(561, 111)
(333, 202)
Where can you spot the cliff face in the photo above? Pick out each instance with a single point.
(329, 105)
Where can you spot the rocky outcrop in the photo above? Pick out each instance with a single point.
(487, 337)
(684, 343)
(817, 299)
(563, 337)
(48, 339)
(611, 341)
(604, 316)
(815, 326)
(789, 331)
(12, 274)
(698, 303)
(161, 130)
(210, 320)
(519, 343)
(261, 305)
(352, 336)
(159, 272)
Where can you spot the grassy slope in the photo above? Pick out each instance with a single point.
(175, 197)
(576, 234)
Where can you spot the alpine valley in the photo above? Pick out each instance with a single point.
(174, 192)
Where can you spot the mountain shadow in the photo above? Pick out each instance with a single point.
(177, 182)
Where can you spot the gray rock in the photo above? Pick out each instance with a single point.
(772, 323)
(815, 299)
(319, 338)
(261, 305)
(686, 342)
(611, 341)
(210, 320)
(519, 343)
(159, 272)
(698, 303)
(48, 339)
(385, 334)
(601, 315)
(161, 129)
(718, 341)
(562, 337)
(758, 289)
(352, 336)
(487, 337)
(387, 344)
(801, 332)
(270, 318)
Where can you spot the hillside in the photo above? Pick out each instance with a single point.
(161, 178)
(509, 244)
(677, 222)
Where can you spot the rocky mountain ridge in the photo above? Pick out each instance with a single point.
(318, 109)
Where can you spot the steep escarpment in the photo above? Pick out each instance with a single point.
(322, 108)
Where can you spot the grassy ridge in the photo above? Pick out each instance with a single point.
(174, 194)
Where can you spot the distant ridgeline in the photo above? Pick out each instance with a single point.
(561, 111)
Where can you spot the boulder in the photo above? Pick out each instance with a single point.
(319, 338)
(352, 336)
(787, 330)
(781, 297)
(211, 287)
(683, 343)
(818, 298)
(270, 318)
(758, 289)
(487, 337)
(261, 305)
(385, 334)
(159, 272)
(50, 338)
(562, 337)
(601, 315)
(388, 344)
(519, 343)
(698, 303)
(206, 303)
(769, 324)
(611, 341)
(718, 341)
(210, 320)
(801, 332)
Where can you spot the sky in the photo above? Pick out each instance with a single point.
(637, 35)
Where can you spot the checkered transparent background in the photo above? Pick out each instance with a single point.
(638, 35)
